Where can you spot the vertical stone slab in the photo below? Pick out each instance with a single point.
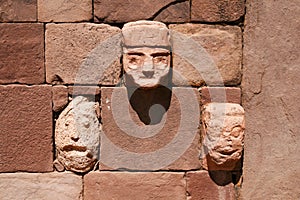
(22, 53)
(46, 186)
(271, 100)
(26, 128)
(18, 11)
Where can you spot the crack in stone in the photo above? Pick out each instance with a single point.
(165, 7)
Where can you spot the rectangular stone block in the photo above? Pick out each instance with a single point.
(18, 11)
(217, 10)
(82, 53)
(220, 95)
(129, 185)
(46, 186)
(22, 53)
(64, 11)
(26, 128)
(220, 50)
(84, 90)
(139, 135)
(202, 185)
(125, 11)
(179, 12)
(59, 97)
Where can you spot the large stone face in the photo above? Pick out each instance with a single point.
(129, 185)
(44, 186)
(217, 10)
(221, 44)
(17, 11)
(64, 11)
(26, 128)
(22, 53)
(271, 100)
(83, 53)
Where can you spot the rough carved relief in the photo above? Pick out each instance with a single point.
(77, 136)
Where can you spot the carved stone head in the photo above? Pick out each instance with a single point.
(146, 54)
(223, 125)
(77, 135)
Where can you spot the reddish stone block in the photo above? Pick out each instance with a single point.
(59, 97)
(201, 186)
(179, 12)
(217, 10)
(220, 95)
(22, 53)
(128, 185)
(84, 90)
(26, 128)
(131, 140)
(18, 11)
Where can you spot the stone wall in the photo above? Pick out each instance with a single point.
(253, 44)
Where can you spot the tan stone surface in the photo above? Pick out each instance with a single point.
(200, 186)
(129, 185)
(132, 10)
(220, 95)
(26, 128)
(271, 100)
(224, 46)
(22, 53)
(18, 11)
(64, 11)
(69, 54)
(77, 135)
(179, 12)
(217, 10)
(131, 141)
(59, 97)
(35, 186)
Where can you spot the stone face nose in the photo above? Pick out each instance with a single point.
(148, 73)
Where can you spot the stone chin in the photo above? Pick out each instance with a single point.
(222, 157)
(133, 80)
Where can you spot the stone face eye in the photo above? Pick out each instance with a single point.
(134, 61)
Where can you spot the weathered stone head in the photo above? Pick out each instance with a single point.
(146, 54)
(77, 135)
(223, 125)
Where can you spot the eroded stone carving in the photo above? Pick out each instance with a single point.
(77, 136)
(223, 128)
(146, 54)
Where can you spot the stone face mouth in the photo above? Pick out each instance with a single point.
(74, 148)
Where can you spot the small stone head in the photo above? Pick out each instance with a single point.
(223, 125)
(77, 135)
(146, 54)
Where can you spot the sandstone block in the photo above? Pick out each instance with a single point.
(201, 186)
(22, 53)
(179, 12)
(139, 134)
(220, 95)
(64, 11)
(220, 44)
(26, 128)
(59, 97)
(128, 185)
(217, 10)
(84, 90)
(83, 53)
(125, 11)
(46, 186)
(18, 11)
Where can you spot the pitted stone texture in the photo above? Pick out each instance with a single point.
(69, 47)
(26, 128)
(220, 95)
(129, 185)
(22, 53)
(223, 126)
(217, 10)
(125, 11)
(134, 150)
(46, 186)
(59, 97)
(18, 11)
(222, 43)
(179, 12)
(271, 99)
(64, 11)
(201, 187)
(77, 135)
